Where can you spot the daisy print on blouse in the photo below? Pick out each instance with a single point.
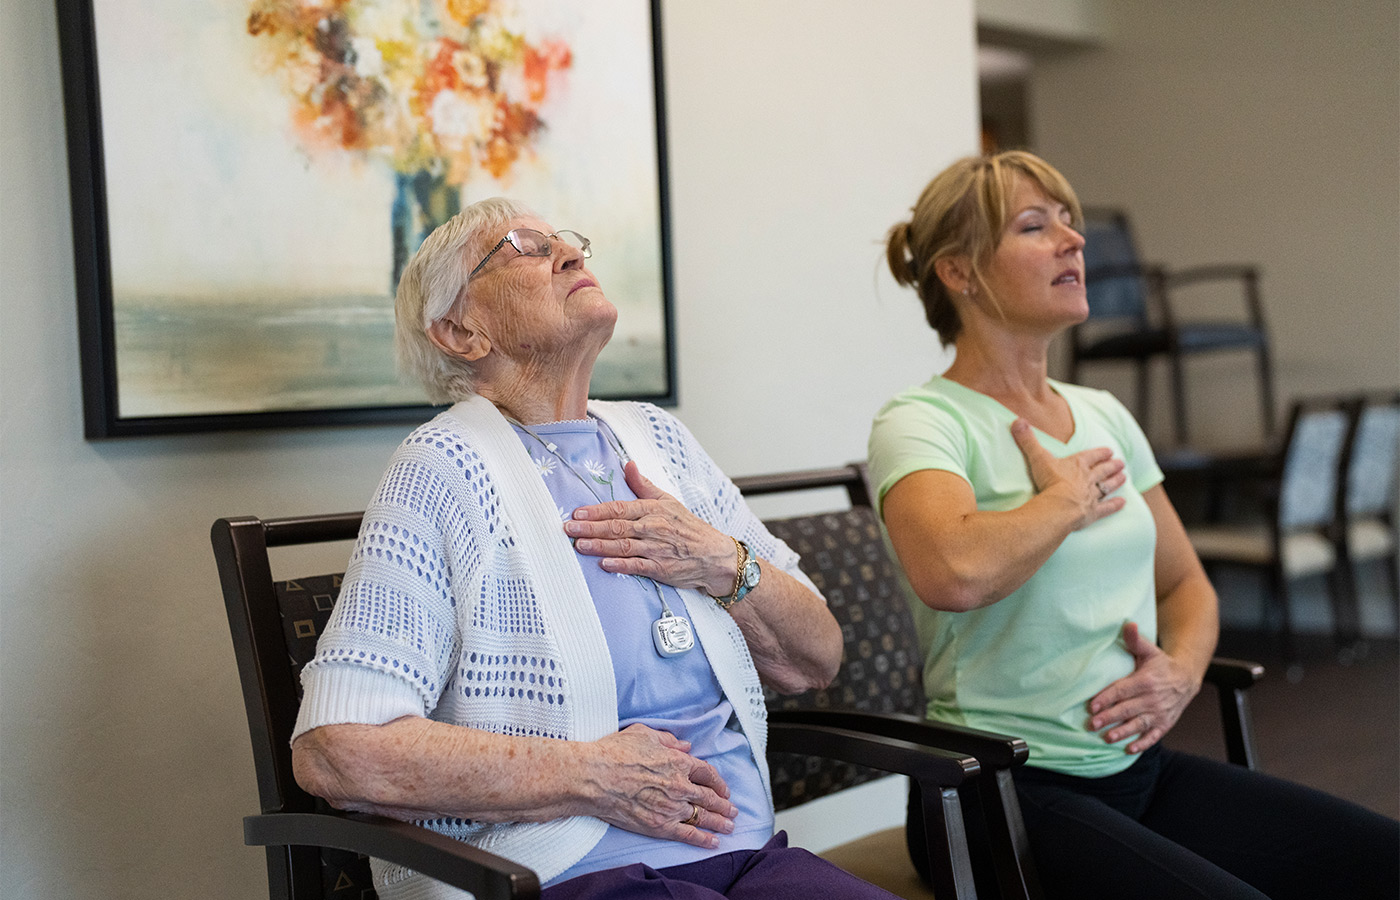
(597, 470)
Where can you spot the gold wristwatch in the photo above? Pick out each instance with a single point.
(746, 576)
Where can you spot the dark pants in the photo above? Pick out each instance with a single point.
(773, 872)
(1174, 826)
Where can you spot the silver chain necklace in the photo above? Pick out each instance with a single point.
(671, 634)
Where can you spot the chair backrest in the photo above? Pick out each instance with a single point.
(1113, 278)
(1311, 465)
(1373, 463)
(274, 625)
(844, 554)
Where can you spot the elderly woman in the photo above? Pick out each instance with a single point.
(1062, 601)
(553, 630)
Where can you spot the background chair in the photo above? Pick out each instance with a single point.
(1296, 537)
(314, 851)
(1367, 518)
(1133, 318)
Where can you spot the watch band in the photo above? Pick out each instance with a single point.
(749, 574)
(738, 591)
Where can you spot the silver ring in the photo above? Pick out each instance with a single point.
(1103, 492)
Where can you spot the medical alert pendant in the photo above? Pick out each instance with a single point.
(672, 634)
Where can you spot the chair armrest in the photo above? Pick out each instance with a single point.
(1246, 275)
(1233, 673)
(997, 751)
(930, 765)
(1232, 677)
(1123, 270)
(1003, 834)
(463, 866)
(1221, 272)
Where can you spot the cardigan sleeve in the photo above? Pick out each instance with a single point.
(387, 650)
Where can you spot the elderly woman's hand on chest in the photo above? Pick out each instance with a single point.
(656, 537)
(793, 638)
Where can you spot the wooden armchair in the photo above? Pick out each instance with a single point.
(880, 690)
(314, 851)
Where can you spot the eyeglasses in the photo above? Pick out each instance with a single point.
(529, 242)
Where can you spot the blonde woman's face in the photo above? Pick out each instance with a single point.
(1037, 270)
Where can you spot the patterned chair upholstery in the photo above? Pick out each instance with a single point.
(843, 553)
(306, 604)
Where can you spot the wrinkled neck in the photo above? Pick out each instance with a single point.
(534, 392)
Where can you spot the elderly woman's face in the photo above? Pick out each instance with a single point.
(531, 306)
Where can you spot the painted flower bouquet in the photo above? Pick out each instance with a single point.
(445, 86)
(438, 89)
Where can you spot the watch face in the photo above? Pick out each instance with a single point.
(751, 573)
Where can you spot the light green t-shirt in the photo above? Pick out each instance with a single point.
(1028, 664)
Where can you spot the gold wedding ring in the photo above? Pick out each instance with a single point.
(694, 815)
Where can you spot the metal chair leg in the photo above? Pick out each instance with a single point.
(1178, 373)
(1143, 389)
(1269, 417)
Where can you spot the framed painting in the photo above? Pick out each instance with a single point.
(249, 177)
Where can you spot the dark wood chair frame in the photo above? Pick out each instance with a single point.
(293, 826)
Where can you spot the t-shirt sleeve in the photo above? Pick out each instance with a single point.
(909, 435)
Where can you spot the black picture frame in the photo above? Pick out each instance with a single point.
(90, 175)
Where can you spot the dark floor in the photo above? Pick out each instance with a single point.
(1336, 729)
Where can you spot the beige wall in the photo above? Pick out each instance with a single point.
(124, 761)
(1251, 131)
(1070, 21)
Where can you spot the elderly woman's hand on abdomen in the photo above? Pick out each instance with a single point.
(657, 537)
(412, 768)
(645, 781)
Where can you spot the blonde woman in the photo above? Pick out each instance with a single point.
(1061, 599)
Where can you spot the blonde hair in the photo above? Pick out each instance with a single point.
(963, 212)
(432, 283)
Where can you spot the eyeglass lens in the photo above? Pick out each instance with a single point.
(529, 242)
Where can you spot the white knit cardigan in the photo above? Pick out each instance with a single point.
(464, 589)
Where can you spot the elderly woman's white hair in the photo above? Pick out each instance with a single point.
(434, 280)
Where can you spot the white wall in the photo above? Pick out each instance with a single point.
(796, 140)
(1251, 131)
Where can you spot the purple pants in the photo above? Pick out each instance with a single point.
(773, 872)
